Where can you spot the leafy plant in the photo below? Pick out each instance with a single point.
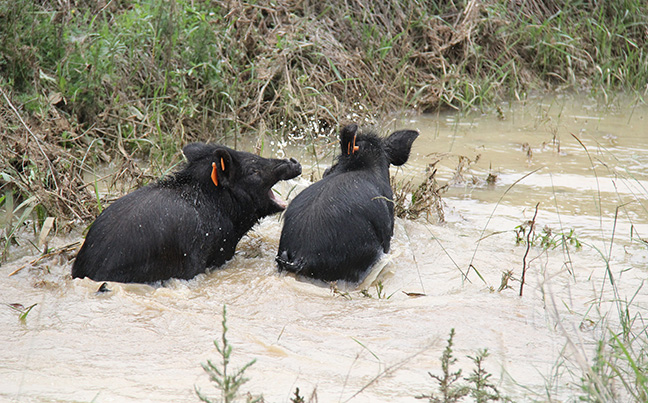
(479, 385)
(482, 389)
(449, 390)
(143, 78)
(220, 374)
(547, 238)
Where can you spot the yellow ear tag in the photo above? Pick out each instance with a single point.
(214, 174)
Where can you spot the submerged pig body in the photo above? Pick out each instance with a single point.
(185, 223)
(337, 228)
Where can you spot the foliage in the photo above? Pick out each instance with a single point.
(479, 385)
(412, 201)
(482, 390)
(547, 239)
(19, 213)
(228, 383)
(618, 368)
(193, 68)
(380, 291)
(113, 81)
(450, 391)
(297, 398)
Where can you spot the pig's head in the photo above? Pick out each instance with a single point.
(245, 177)
(368, 151)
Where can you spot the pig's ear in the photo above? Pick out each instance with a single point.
(222, 168)
(348, 139)
(398, 146)
(195, 151)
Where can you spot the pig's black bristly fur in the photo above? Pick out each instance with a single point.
(183, 224)
(337, 228)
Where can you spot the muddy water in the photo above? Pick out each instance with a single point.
(586, 166)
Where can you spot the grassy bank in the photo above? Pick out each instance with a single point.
(87, 82)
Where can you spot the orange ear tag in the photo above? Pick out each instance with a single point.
(355, 147)
(222, 165)
(214, 174)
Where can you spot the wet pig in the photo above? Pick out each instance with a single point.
(187, 222)
(337, 228)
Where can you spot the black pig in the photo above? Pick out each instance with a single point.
(337, 228)
(186, 222)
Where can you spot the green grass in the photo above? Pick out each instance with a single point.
(185, 69)
(15, 218)
(22, 311)
(617, 369)
(140, 79)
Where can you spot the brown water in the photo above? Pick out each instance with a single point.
(140, 343)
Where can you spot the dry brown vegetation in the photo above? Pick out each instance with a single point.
(86, 82)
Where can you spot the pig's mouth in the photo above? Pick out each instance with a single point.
(279, 202)
(287, 170)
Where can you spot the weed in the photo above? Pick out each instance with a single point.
(597, 382)
(618, 368)
(504, 283)
(449, 390)
(547, 238)
(63, 252)
(22, 311)
(143, 79)
(229, 384)
(525, 234)
(411, 202)
(472, 259)
(297, 398)
(526, 252)
(20, 214)
(482, 389)
(335, 290)
(39, 170)
(479, 385)
(380, 291)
